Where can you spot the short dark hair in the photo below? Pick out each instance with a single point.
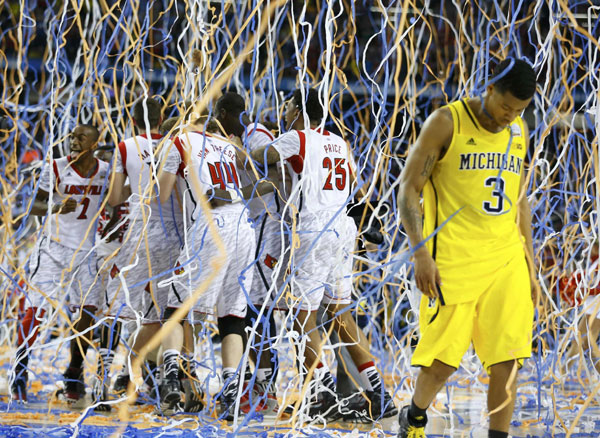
(515, 76)
(153, 108)
(231, 102)
(313, 107)
(92, 129)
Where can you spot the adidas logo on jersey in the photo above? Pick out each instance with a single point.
(471, 142)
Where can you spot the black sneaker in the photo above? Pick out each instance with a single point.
(170, 394)
(18, 389)
(194, 396)
(325, 406)
(371, 407)
(100, 395)
(121, 384)
(411, 428)
(74, 388)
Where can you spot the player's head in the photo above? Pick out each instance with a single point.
(512, 88)
(296, 105)
(230, 111)
(84, 140)
(167, 126)
(147, 108)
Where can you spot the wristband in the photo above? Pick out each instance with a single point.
(235, 196)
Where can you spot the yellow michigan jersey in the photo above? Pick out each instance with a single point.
(471, 200)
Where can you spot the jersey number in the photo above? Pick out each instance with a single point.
(86, 203)
(497, 193)
(340, 173)
(216, 174)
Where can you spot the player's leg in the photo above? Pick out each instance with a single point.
(268, 277)
(27, 331)
(43, 270)
(594, 332)
(172, 344)
(85, 292)
(446, 334)
(379, 403)
(74, 388)
(504, 314)
(110, 331)
(232, 304)
(501, 397)
(194, 395)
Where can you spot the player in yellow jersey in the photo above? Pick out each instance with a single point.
(471, 242)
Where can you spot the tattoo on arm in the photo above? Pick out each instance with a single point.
(411, 216)
(428, 167)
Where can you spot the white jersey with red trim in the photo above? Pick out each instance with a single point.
(135, 158)
(257, 136)
(322, 167)
(105, 247)
(76, 229)
(214, 161)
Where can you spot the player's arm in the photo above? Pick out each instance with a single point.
(174, 162)
(166, 182)
(40, 205)
(524, 222)
(118, 192)
(221, 197)
(434, 138)
(267, 154)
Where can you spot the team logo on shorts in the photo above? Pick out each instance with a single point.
(270, 261)
(178, 269)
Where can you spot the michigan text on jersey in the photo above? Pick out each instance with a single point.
(490, 160)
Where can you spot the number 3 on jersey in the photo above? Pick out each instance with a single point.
(497, 193)
(340, 173)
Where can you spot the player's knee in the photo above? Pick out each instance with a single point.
(439, 371)
(231, 325)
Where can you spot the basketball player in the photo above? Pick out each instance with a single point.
(322, 184)
(63, 264)
(204, 163)
(154, 236)
(472, 243)
(265, 214)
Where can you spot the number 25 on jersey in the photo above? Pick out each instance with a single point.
(337, 167)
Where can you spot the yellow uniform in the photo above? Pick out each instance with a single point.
(470, 209)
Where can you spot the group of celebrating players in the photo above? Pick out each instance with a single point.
(205, 212)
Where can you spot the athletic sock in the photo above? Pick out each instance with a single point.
(326, 377)
(230, 383)
(370, 377)
(22, 357)
(415, 413)
(171, 364)
(105, 363)
(76, 356)
(189, 365)
(497, 434)
(263, 375)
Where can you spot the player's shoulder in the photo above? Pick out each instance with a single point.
(259, 130)
(103, 166)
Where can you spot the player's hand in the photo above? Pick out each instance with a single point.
(427, 275)
(68, 206)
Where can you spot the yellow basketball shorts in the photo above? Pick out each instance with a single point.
(499, 322)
